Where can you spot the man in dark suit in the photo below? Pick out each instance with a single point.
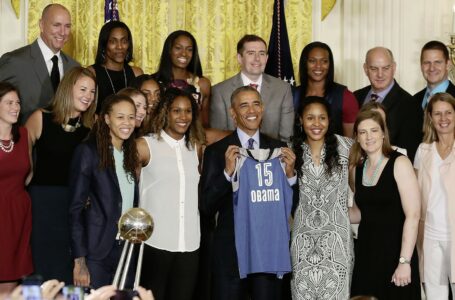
(435, 65)
(403, 115)
(33, 68)
(217, 197)
(278, 120)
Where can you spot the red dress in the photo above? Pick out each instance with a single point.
(15, 212)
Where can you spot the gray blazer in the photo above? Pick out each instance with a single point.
(26, 69)
(278, 119)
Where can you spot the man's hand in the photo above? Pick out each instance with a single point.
(230, 156)
(80, 272)
(288, 158)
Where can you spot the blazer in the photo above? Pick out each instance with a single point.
(404, 117)
(420, 95)
(95, 206)
(278, 118)
(447, 173)
(26, 69)
(216, 197)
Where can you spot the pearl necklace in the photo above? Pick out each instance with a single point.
(370, 181)
(110, 79)
(7, 148)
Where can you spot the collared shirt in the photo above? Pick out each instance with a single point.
(440, 88)
(247, 81)
(169, 192)
(381, 94)
(243, 137)
(48, 54)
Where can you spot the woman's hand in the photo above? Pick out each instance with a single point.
(50, 288)
(402, 275)
(80, 272)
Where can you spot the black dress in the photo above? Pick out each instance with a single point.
(48, 189)
(110, 82)
(379, 239)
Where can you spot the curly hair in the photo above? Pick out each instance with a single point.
(164, 73)
(159, 120)
(102, 135)
(5, 88)
(300, 136)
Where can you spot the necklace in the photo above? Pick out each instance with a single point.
(7, 148)
(72, 128)
(369, 181)
(110, 79)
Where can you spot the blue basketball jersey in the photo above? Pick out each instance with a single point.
(262, 206)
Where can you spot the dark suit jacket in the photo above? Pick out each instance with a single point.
(278, 119)
(404, 117)
(93, 226)
(419, 96)
(216, 196)
(26, 69)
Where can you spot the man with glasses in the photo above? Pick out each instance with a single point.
(404, 116)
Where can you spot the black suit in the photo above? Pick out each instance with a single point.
(95, 208)
(404, 117)
(420, 95)
(216, 197)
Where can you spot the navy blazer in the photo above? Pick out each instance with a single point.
(216, 196)
(96, 204)
(421, 94)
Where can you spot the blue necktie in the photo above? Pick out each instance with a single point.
(251, 144)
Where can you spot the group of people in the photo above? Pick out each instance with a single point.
(253, 185)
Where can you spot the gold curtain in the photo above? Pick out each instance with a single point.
(216, 24)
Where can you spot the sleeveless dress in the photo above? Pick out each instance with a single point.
(321, 239)
(379, 238)
(50, 200)
(15, 212)
(111, 82)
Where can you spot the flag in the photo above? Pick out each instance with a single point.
(111, 11)
(326, 7)
(279, 63)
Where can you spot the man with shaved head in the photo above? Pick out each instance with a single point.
(403, 114)
(36, 69)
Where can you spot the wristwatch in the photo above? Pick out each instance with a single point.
(403, 260)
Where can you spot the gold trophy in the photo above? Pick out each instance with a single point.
(135, 227)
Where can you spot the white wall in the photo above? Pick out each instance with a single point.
(12, 30)
(403, 26)
(350, 29)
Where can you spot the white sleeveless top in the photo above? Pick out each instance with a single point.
(168, 190)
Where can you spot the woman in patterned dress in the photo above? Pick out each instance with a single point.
(321, 238)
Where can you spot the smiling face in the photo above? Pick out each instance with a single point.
(55, 27)
(152, 90)
(181, 52)
(141, 108)
(370, 136)
(10, 106)
(318, 64)
(117, 46)
(253, 59)
(83, 94)
(434, 66)
(246, 111)
(442, 118)
(179, 117)
(380, 69)
(121, 121)
(315, 122)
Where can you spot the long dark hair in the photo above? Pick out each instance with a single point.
(5, 88)
(194, 134)
(164, 73)
(299, 138)
(101, 133)
(104, 38)
(303, 68)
